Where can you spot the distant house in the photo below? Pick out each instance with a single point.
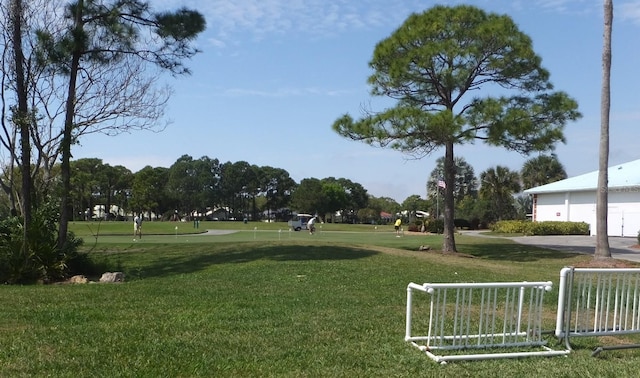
(386, 216)
(574, 200)
(221, 213)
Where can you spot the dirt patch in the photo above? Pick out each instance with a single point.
(451, 254)
(432, 251)
(605, 263)
(417, 233)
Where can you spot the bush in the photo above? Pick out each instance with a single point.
(474, 224)
(417, 226)
(434, 226)
(541, 228)
(560, 228)
(35, 256)
(513, 227)
(462, 223)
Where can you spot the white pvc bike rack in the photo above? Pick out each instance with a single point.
(594, 302)
(480, 317)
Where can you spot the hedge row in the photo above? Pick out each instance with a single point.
(541, 228)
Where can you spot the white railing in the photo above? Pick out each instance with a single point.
(464, 316)
(598, 302)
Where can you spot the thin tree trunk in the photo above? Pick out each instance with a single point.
(449, 242)
(21, 116)
(602, 205)
(65, 145)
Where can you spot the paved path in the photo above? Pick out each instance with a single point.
(210, 232)
(220, 232)
(621, 248)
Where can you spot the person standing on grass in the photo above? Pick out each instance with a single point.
(312, 225)
(397, 226)
(137, 226)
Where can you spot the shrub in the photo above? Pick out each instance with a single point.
(418, 226)
(35, 256)
(560, 228)
(513, 227)
(541, 228)
(434, 226)
(462, 223)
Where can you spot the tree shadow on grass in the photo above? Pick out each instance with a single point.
(198, 260)
(511, 251)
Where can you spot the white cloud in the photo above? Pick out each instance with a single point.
(232, 20)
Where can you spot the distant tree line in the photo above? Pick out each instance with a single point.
(207, 188)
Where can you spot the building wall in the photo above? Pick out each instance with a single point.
(624, 210)
(550, 207)
(624, 213)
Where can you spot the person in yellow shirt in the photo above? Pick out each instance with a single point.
(397, 226)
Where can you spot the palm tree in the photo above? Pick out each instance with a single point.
(602, 201)
(465, 181)
(542, 170)
(498, 185)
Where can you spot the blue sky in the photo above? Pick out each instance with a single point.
(275, 74)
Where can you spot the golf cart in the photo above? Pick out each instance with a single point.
(299, 222)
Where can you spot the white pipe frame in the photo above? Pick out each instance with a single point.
(486, 337)
(607, 297)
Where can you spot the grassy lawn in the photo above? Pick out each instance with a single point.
(266, 302)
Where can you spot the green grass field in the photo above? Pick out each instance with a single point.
(266, 302)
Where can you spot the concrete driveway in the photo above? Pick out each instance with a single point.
(621, 247)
